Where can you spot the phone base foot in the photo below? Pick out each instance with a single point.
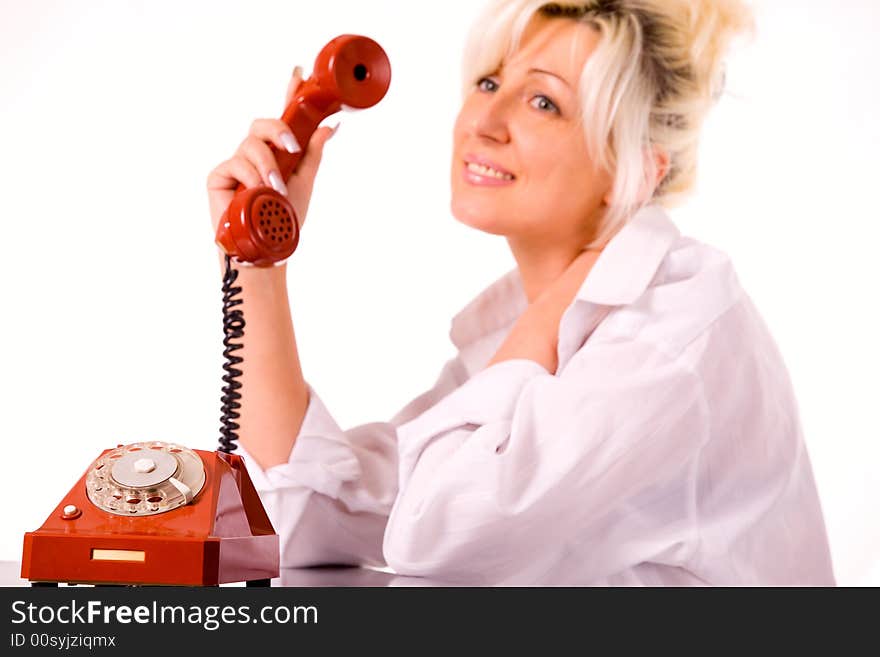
(259, 582)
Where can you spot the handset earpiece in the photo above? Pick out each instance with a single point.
(260, 226)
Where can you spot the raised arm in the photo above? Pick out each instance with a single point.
(275, 398)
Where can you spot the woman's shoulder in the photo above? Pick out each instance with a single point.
(694, 286)
(696, 313)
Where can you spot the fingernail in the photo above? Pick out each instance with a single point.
(290, 142)
(277, 183)
(335, 129)
(297, 71)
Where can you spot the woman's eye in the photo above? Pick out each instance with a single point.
(487, 84)
(545, 104)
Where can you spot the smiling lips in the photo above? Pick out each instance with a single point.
(480, 171)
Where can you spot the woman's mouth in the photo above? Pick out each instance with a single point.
(479, 171)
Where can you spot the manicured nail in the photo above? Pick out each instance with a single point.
(277, 183)
(297, 71)
(335, 129)
(290, 142)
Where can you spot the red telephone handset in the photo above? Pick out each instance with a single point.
(260, 225)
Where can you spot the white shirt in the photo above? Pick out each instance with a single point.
(666, 449)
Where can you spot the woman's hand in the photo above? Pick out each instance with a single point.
(254, 163)
(535, 334)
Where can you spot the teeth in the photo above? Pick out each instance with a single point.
(487, 171)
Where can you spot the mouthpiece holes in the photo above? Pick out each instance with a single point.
(360, 72)
(275, 222)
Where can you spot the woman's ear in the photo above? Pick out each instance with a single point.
(655, 158)
(661, 160)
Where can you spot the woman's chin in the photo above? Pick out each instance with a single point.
(486, 222)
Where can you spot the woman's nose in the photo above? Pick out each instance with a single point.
(491, 120)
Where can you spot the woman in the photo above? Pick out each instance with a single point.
(618, 412)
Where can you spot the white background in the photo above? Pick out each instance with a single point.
(113, 113)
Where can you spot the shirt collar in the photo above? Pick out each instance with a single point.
(621, 274)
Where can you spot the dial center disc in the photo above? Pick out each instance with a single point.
(127, 471)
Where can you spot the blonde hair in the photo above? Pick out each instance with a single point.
(655, 74)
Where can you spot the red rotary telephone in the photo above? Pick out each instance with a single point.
(161, 513)
(260, 226)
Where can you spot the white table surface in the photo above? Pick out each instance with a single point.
(10, 575)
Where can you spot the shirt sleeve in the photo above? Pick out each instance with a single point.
(517, 468)
(329, 503)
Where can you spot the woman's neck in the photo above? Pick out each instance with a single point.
(539, 267)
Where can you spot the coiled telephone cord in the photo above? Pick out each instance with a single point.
(233, 329)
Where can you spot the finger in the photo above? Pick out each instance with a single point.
(228, 174)
(293, 85)
(275, 131)
(308, 166)
(258, 153)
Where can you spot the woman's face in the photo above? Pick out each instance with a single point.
(520, 164)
